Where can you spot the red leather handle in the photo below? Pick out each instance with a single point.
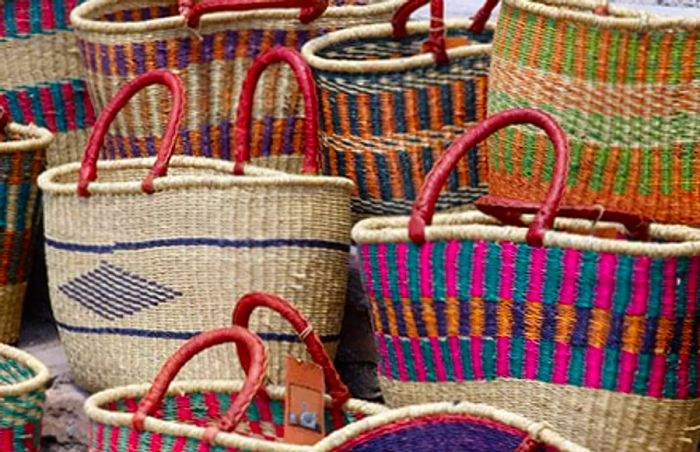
(424, 206)
(193, 11)
(241, 316)
(305, 79)
(256, 372)
(88, 168)
(4, 119)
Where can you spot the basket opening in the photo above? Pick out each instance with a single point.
(13, 372)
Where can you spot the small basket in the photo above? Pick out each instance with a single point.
(22, 152)
(23, 382)
(393, 97)
(589, 323)
(165, 417)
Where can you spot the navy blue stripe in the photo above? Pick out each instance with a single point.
(179, 335)
(197, 241)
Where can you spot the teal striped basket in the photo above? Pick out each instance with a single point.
(23, 382)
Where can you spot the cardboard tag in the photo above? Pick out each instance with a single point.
(303, 406)
(450, 43)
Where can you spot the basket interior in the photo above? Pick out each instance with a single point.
(13, 372)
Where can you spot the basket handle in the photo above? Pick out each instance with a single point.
(305, 79)
(241, 316)
(424, 206)
(88, 167)
(244, 340)
(193, 11)
(4, 119)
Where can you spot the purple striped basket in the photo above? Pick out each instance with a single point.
(590, 325)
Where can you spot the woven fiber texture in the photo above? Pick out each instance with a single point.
(23, 381)
(626, 87)
(41, 81)
(388, 111)
(132, 275)
(22, 153)
(120, 40)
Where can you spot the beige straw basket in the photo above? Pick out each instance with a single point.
(22, 151)
(122, 39)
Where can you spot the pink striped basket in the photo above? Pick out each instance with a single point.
(589, 321)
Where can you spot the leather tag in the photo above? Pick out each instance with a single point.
(450, 43)
(303, 406)
(609, 232)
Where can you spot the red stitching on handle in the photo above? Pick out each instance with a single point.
(310, 9)
(424, 206)
(256, 371)
(88, 167)
(305, 79)
(241, 316)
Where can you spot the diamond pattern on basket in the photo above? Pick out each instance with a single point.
(114, 293)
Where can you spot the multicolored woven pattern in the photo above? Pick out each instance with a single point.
(265, 420)
(385, 129)
(20, 415)
(476, 310)
(628, 99)
(211, 62)
(44, 83)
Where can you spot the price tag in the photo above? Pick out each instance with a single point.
(303, 406)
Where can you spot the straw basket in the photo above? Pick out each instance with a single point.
(137, 267)
(23, 381)
(626, 88)
(392, 99)
(22, 150)
(186, 416)
(589, 325)
(41, 78)
(122, 39)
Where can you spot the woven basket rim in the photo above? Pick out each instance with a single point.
(620, 17)
(475, 225)
(95, 413)
(83, 16)
(311, 49)
(253, 177)
(538, 430)
(35, 138)
(38, 381)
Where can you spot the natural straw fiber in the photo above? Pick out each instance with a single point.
(22, 153)
(460, 426)
(388, 111)
(626, 87)
(41, 78)
(23, 381)
(590, 329)
(122, 39)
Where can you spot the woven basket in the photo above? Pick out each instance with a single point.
(43, 82)
(186, 416)
(22, 151)
(23, 381)
(122, 39)
(626, 90)
(392, 99)
(595, 335)
(136, 267)
(461, 426)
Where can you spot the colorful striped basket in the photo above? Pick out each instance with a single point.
(41, 78)
(23, 381)
(454, 427)
(555, 320)
(122, 39)
(625, 86)
(186, 416)
(136, 265)
(393, 96)
(22, 152)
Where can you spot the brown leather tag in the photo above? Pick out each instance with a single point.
(450, 43)
(303, 406)
(609, 232)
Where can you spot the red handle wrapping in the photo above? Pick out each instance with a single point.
(241, 316)
(256, 371)
(307, 86)
(424, 206)
(88, 168)
(192, 12)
